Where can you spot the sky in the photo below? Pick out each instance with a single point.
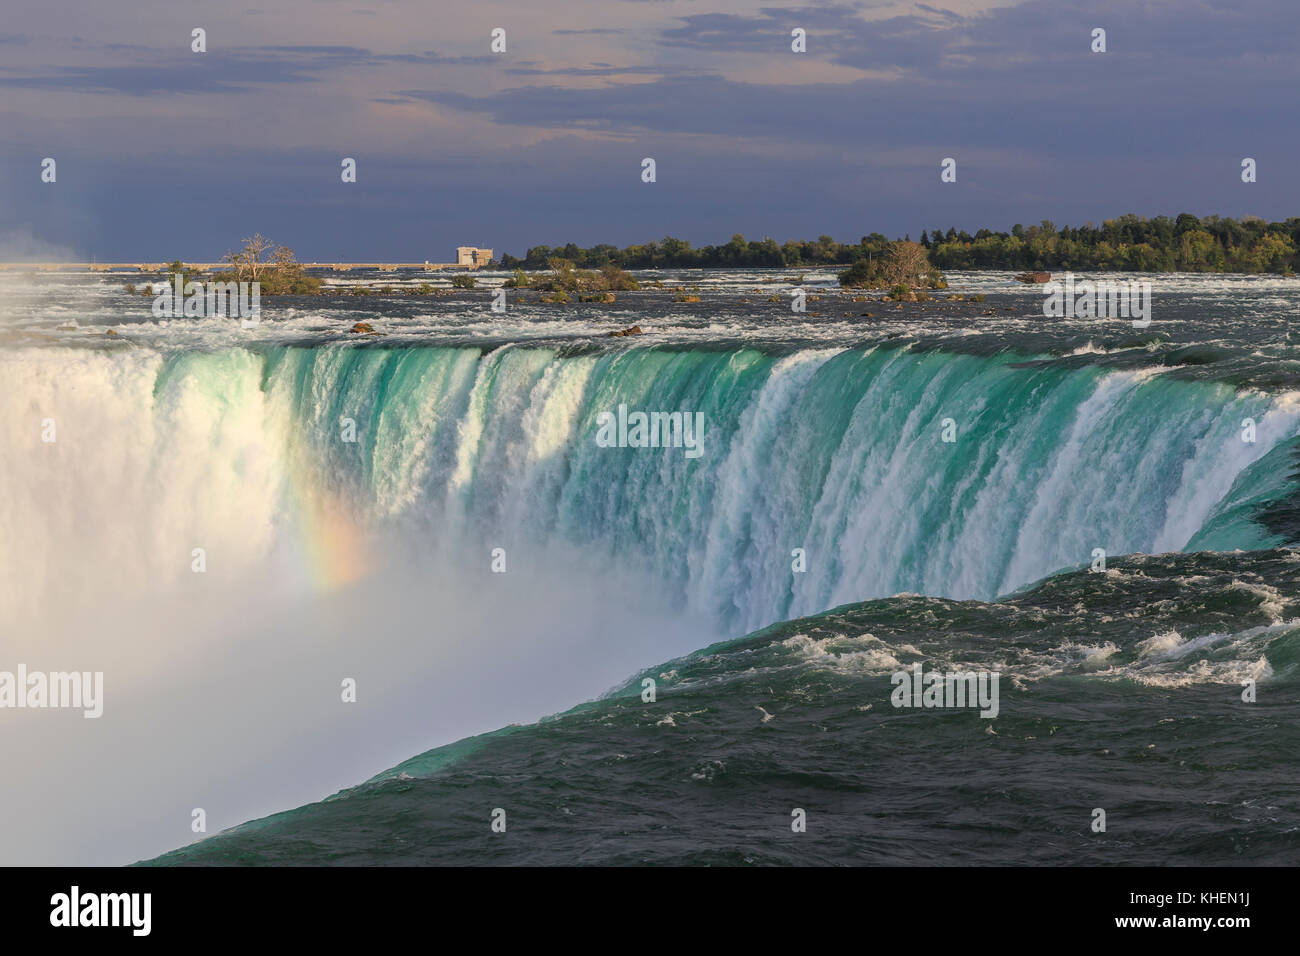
(165, 153)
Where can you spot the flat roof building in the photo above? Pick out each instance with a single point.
(472, 256)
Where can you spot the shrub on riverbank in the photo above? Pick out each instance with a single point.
(274, 267)
(904, 263)
(563, 277)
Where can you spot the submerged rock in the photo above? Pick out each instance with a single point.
(1034, 277)
(634, 330)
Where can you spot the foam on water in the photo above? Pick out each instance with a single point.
(476, 433)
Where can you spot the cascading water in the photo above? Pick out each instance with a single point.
(894, 470)
(231, 524)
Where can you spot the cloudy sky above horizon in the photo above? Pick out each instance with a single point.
(165, 153)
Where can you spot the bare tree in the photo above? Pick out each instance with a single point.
(253, 258)
(907, 263)
(274, 267)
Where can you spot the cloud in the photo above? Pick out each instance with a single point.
(238, 70)
(847, 136)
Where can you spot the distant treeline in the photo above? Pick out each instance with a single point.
(739, 253)
(1132, 243)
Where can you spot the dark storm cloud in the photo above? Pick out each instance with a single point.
(231, 71)
(1021, 78)
(748, 136)
(594, 70)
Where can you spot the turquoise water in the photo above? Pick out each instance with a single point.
(838, 452)
(1093, 716)
(1102, 517)
(1121, 688)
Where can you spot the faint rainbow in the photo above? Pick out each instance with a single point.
(331, 541)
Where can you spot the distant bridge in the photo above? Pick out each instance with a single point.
(215, 266)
